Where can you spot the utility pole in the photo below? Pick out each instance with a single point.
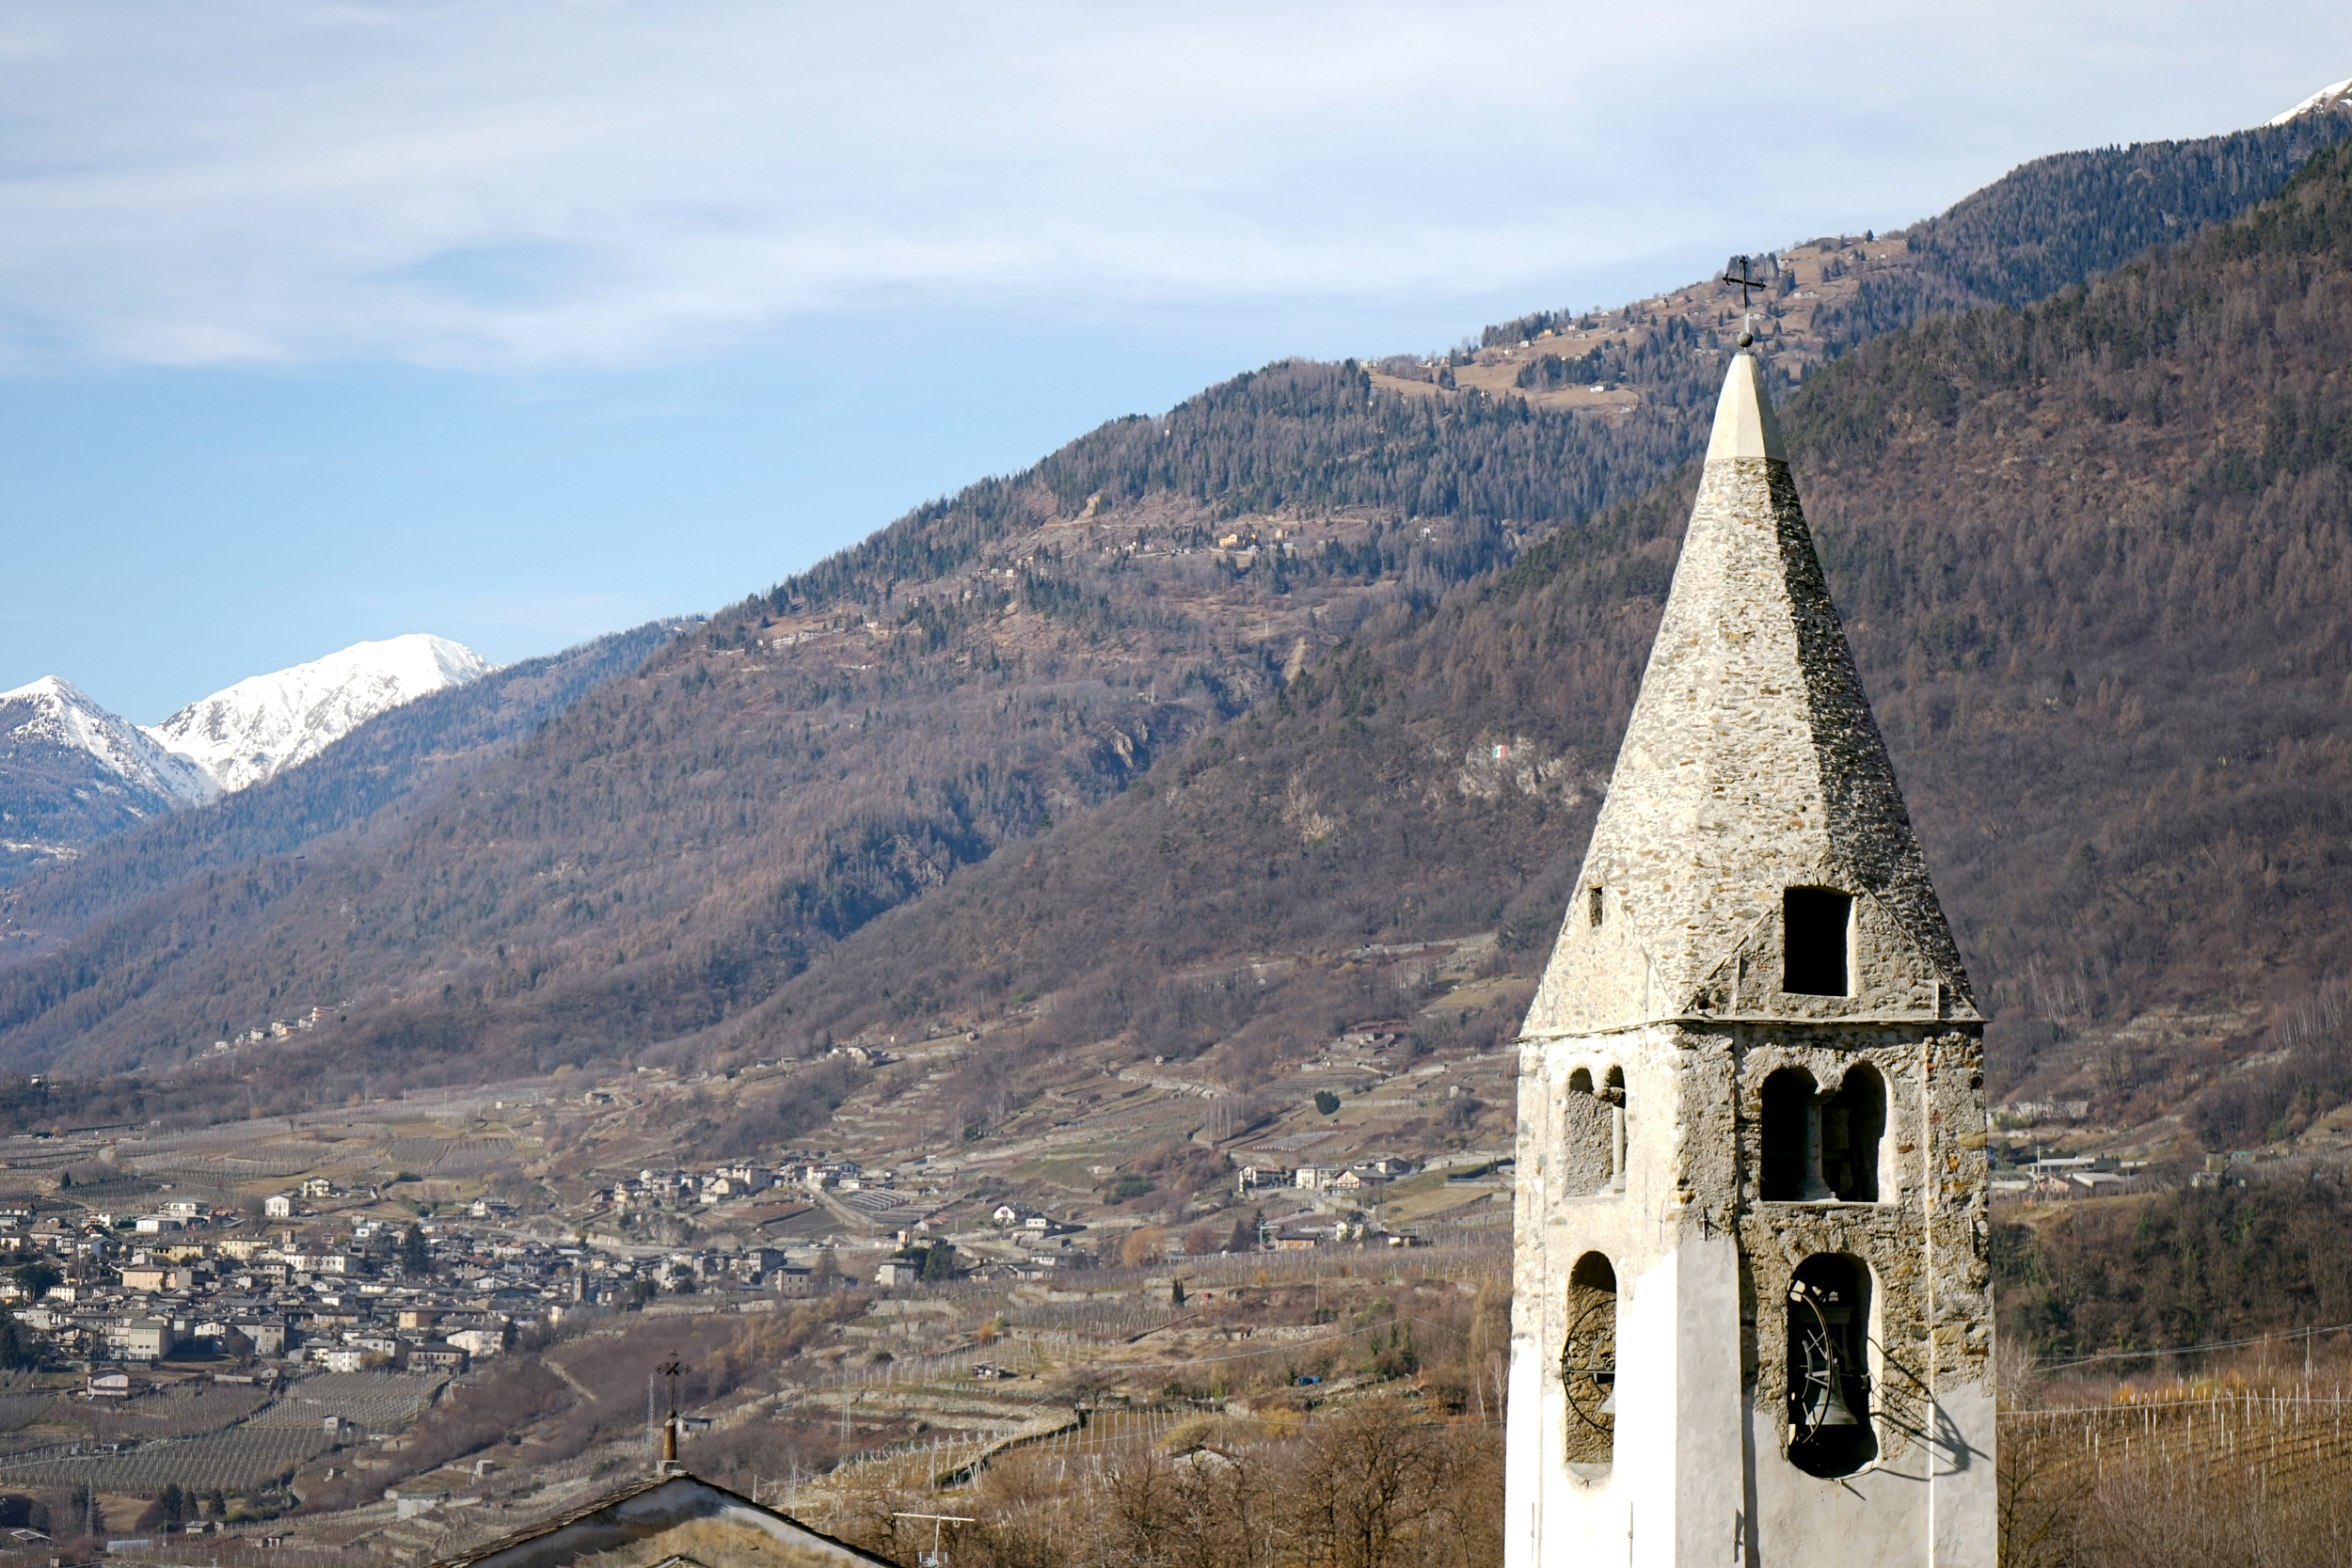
(935, 1557)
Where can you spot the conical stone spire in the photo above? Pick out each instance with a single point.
(1752, 767)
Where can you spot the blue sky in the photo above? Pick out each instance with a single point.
(521, 319)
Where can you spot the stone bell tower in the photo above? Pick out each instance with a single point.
(1752, 1322)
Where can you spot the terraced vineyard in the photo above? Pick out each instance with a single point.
(2218, 1472)
(380, 1401)
(231, 1437)
(222, 1169)
(414, 1154)
(2288, 1435)
(239, 1460)
(190, 1410)
(925, 1464)
(18, 1406)
(472, 1156)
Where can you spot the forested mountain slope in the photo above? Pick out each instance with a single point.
(682, 839)
(2095, 559)
(654, 865)
(2053, 222)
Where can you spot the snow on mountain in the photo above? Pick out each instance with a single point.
(243, 735)
(71, 773)
(2326, 98)
(55, 713)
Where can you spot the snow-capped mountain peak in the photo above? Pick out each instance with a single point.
(243, 735)
(55, 713)
(2339, 94)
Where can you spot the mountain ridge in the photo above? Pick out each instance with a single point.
(68, 715)
(657, 867)
(394, 756)
(85, 773)
(2138, 827)
(90, 773)
(249, 730)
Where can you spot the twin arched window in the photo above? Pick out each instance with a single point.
(1815, 1149)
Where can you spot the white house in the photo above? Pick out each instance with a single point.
(479, 1342)
(140, 1338)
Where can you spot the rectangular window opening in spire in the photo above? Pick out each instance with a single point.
(1814, 926)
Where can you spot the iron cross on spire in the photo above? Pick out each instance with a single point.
(1744, 282)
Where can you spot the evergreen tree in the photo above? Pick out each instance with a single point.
(16, 1352)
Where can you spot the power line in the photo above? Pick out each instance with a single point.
(2192, 1349)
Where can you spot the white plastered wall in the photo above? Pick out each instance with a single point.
(1674, 1491)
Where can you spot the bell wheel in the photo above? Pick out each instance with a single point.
(1588, 1366)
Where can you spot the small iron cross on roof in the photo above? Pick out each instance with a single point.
(1744, 282)
(671, 1369)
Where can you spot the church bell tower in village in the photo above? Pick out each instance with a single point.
(1752, 1320)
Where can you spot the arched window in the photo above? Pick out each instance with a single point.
(1588, 1366)
(1851, 1125)
(1587, 1138)
(1829, 1429)
(1787, 1174)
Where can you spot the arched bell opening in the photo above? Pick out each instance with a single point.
(1829, 1408)
(1853, 1124)
(1788, 1173)
(1588, 1367)
(1587, 1138)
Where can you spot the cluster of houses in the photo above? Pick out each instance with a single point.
(1365, 1175)
(151, 1297)
(276, 1029)
(343, 1302)
(2072, 1175)
(685, 1189)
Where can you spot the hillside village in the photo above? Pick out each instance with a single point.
(254, 1313)
(286, 1318)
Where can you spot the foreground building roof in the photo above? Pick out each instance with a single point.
(666, 1519)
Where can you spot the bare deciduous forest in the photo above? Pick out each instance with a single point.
(2095, 586)
(1303, 666)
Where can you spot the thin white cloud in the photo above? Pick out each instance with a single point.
(546, 183)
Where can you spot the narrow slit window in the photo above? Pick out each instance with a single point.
(1592, 905)
(1814, 925)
